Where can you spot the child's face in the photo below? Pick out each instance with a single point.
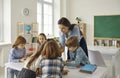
(21, 46)
(41, 39)
(72, 48)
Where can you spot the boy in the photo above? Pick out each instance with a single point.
(77, 55)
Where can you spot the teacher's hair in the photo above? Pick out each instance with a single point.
(64, 21)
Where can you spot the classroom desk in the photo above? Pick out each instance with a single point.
(108, 54)
(100, 72)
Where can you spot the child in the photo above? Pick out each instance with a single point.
(41, 39)
(17, 54)
(51, 64)
(77, 55)
(31, 67)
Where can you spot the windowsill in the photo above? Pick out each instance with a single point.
(4, 43)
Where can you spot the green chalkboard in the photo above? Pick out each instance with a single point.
(107, 26)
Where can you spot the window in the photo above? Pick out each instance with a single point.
(1, 23)
(45, 16)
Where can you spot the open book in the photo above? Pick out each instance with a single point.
(88, 68)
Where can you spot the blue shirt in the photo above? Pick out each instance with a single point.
(16, 54)
(74, 32)
(78, 57)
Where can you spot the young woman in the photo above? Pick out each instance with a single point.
(66, 30)
(77, 55)
(17, 54)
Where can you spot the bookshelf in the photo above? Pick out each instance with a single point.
(111, 42)
(30, 32)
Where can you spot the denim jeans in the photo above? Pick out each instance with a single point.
(11, 73)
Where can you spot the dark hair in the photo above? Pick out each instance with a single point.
(43, 35)
(64, 21)
(19, 40)
(72, 41)
(40, 35)
(36, 55)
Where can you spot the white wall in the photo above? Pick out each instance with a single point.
(86, 9)
(17, 7)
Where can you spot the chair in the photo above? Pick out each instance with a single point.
(95, 57)
(117, 64)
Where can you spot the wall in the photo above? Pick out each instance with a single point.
(17, 7)
(86, 9)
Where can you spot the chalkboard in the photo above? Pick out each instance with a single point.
(107, 26)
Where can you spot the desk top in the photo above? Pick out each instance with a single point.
(73, 72)
(105, 50)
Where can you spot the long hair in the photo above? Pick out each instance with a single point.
(51, 50)
(42, 35)
(64, 21)
(19, 40)
(36, 55)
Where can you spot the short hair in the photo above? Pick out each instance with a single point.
(72, 41)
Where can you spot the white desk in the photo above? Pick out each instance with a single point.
(108, 54)
(100, 72)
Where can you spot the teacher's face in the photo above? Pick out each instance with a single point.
(64, 29)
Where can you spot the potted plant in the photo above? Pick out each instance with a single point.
(78, 19)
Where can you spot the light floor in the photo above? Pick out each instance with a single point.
(2, 72)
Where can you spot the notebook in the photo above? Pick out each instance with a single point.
(88, 68)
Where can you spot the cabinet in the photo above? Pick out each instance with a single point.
(30, 32)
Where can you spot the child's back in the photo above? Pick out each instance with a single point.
(51, 68)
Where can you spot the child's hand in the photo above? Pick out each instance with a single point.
(64, 62)
(22, 60)
(65, 72)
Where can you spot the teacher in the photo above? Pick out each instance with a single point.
(66, 30)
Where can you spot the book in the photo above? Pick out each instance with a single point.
(88, 68)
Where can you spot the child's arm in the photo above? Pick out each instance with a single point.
(78, 59)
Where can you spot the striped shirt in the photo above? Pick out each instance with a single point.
(51, 68)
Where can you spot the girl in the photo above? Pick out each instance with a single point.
(41, 39)
(66, 30)
(31, 67)
(17, 54)
(51, 63)
(77, 55)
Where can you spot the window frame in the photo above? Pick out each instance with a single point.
(1, 21)
(42, 15)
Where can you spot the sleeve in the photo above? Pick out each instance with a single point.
(76, 32)
(12, 56)
(24, 52)
(37, 63)
(62, 66)
(78, 59)
(62, 39)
